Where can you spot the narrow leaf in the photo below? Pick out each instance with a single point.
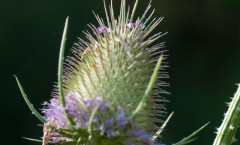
(149, 88)
(34, 111)
(189, 139)
(60, 71)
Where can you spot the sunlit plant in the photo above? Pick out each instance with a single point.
(108, 92)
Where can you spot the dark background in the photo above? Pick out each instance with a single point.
(203, 41)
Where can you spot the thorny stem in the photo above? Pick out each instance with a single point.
(226, 132)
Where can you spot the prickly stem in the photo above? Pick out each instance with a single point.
(226, 132)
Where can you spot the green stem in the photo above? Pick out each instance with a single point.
(60, 71)
(34, 111)
(226, 132)
(149, 88)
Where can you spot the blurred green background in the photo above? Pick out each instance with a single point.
(203, 41)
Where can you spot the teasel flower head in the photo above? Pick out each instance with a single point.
(108, 92)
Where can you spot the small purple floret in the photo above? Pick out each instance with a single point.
(137, 133)
(84, 114)
(89, 103)
(102, 29)
(110, 133)
(95, 120)
(133, 25)
(101, 128)
(121, 125)
(99, 100)
(79, 124)
(102, 108)
(121, 110)
(147, 139)
(109, 122)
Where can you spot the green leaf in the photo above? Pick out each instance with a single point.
(60, 71)
(34, 111)
(149, 88)
(189, 139)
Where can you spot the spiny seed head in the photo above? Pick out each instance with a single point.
(104, 83)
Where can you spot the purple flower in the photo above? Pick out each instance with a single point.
(55, 116)
(121, 125)
(84, 114)
(121, 114)
(95, 120)
(137, 133)
(102, 29)
(62, 123)
(102, 107)
(60, 139)
(99, 100)
(110, 133)
(122, 118)
(133, 25)
(72, 110)
(121, 110)
(147, 139)
(130, 25)
(72, 105)
(70, 97)
(109, 122)
(88, 102)
(141, 135)
(101, 128)
(54, 113)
